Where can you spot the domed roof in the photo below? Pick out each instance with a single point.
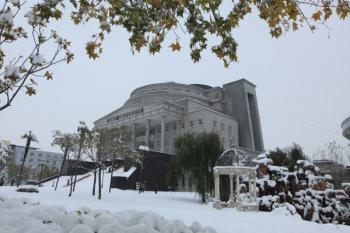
(154, 94)
(234, 157)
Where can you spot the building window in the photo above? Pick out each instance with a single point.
(30, 160)
(214, 124)
(174, 126)
(182, 124)
(200, 121)
(222, 126)
(31, 154)
(191, 123)
(40, 155)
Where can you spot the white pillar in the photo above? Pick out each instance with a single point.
(237, 189)
(254, 188)
(217, 186)
(231, 186)
(177, 128)
(162, 133)
(133, 135)
(250, 190)
(147, 132)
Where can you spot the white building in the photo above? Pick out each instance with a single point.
(35, 156)
(157, 114)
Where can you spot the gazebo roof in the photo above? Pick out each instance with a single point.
(234, 157)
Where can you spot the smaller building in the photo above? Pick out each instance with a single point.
(35, 157)
(339, 172)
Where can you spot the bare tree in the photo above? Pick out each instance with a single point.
(333, 151)
(65, 141)
(82, 132)
(30, 137)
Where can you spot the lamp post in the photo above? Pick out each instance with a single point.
(41, 164)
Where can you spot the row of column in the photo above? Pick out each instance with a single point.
(147, 134)
(252, 188)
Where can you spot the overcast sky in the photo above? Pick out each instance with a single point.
(303, 83)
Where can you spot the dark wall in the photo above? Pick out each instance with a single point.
(154, 172)
(73, 167)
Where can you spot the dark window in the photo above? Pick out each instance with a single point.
(191, 123)
(200, 121)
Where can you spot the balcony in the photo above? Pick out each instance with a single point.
(346, 128)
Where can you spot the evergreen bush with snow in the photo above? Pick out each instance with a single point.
(311, 194)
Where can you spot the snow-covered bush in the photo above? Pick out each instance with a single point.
(311, 193)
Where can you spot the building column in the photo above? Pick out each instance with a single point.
(177, 128)
(231, 186)
(133, 135)
(148, 122)
(162, 133)
(237, 189)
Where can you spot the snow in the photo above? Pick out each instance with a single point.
(6, 17)
(13, 71)
(136, 212)
(262, 159)
(37, 59)
(285, 209)
(120, 172)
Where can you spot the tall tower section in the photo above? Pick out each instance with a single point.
(241, 103)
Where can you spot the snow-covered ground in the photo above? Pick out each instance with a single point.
(171, 205)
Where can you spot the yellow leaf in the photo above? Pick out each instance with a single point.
(175, 46)
(317, 15)
(295, 26)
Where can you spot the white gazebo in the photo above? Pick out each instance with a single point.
(234, 162)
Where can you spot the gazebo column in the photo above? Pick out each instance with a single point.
(250, 190)
(231, 186)
(217, 186)
(237, 189)
(254, 188)
(217, 203)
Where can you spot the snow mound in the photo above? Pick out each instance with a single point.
(25, 216)
(28, 189)
(285, 209)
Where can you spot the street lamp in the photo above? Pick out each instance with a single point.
(41, 164)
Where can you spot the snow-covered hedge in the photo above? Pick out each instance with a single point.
(311, 193)
(26, 216)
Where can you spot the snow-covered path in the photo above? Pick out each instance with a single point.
(173, 205)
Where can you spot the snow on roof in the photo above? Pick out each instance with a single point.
(121, 173)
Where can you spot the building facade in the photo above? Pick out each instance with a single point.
(35, 157)
(157, 114)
